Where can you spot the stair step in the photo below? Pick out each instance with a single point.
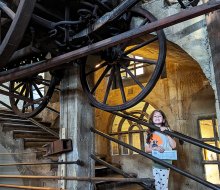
(119, 186)
(10, 127)
(103, 185)
(34, 144)
(7, 111)
(32, 134)
(38, 140)
(22, 121)
(11, 114)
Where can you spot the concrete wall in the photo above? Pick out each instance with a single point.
(12, 170)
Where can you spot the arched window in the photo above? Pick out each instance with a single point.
(128, 131)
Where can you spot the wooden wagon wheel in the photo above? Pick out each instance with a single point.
(117, 63)
(35, 91)
(15, 16)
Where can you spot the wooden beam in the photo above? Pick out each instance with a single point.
(50, 64)
(28, 187)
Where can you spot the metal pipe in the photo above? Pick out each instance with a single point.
(165, 164)
(29, 70)
(78, 162)
(108, 179)
(28, 187)
(171, 133)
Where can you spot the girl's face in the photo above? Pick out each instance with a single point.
(158, 118)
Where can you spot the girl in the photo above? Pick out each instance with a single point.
(159, 142)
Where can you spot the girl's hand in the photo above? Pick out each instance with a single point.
(159, 149)
(164, 128)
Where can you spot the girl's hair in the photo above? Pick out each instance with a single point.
(164, 124)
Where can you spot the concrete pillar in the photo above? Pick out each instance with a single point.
(76, 119)
(213, 25)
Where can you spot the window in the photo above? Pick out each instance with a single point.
(136, 68)
(211, 161)
(130, 132)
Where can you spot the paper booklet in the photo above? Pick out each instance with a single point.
(166, 155)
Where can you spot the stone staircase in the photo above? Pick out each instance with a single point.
(20, 128)
(24, 141)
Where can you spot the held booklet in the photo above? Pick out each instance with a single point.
(166, 155)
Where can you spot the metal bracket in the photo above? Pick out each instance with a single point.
(58, 147)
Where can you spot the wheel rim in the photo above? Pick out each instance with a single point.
(16, 16)
(113, 70)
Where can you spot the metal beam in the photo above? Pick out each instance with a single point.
(82, 178)
(47, 65)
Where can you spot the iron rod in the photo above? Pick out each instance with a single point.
(163, 163)
(28, 187)
(42, 66)
(172, 133)
(75, 178)
(78, 162)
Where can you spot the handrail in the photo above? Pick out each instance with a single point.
(45, 128)
(171, 133)
(165, 164)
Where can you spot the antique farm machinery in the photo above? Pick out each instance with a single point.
(38, 36)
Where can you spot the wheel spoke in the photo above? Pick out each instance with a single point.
(132, 76)
(120, 83)
(109, 84)
(140, 45)
(97, 68)
(20, 93)
(31, 95)
(26, 95)
(148, 61)
(144, 22)
(37, 89)
(7, 10)
(18, 86)
(41, 81)
(100, 78)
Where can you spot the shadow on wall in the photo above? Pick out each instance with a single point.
(8, 170)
